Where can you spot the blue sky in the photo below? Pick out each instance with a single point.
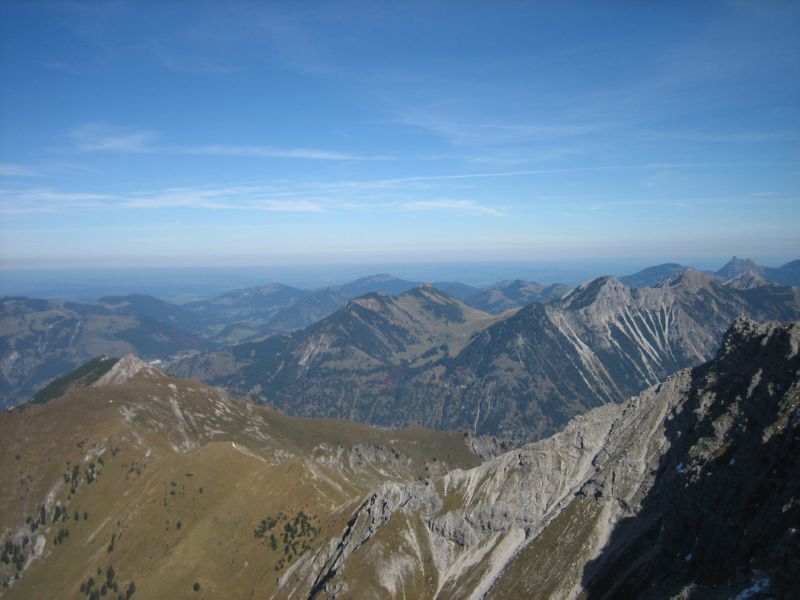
(192, 133)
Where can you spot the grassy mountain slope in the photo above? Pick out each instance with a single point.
(171, 483)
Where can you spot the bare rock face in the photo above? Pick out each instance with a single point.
(688, 490)
(125, 368)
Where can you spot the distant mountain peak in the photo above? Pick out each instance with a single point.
(652, 276)
(378, 278)
(737, 266)
(743, 262)
(690, 279)
(512, 282)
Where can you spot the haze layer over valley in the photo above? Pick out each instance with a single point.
(515, 359)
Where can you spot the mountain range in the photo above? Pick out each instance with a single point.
(42, 339)
(34, 352)
(426, 358)
(739, 272)
(254, 313)
(134, 484)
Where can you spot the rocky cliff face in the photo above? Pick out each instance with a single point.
(691, 489)
(521, 376)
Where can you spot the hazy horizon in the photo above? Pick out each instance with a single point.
(188, 283)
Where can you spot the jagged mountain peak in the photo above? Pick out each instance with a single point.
(606, 289)
(737, 266)
(747, 334)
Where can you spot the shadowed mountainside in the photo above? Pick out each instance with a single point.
(522, 374)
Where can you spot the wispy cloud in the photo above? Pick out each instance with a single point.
(95, 137)
(476, 132)
(16, 170)
(36, 200)
(47, 195)
(729, 137)
(620, 204)
(98, 137)
(468, 207)
(455, 192)
(400, 182)
(307, 198)
(222, 198)
(238, 198)
(269, 152)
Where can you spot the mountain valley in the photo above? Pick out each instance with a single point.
(147, 486)
(41, 340)
(65, 334)
(520, 375)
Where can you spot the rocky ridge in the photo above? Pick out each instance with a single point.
(615, 506)
(520, 376)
